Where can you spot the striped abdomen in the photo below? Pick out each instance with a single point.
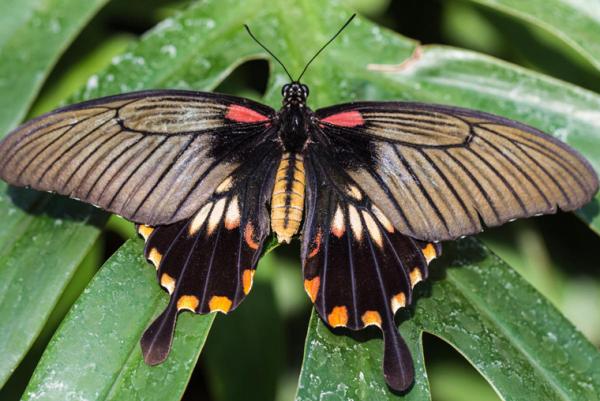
(287, 202)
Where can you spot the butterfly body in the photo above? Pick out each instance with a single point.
(287, 202)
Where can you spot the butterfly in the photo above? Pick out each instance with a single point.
(371, 188)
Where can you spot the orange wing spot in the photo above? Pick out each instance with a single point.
(241, 114)
(415, 276)
(249, 236)
(167, 282)
(247, 280)
(155, 257)
(338, 226)
(233, 216)
(311, 286)
(145, 231)
(221, 304)
(189, 302)
(317, 245)
(345, 119)
(338, 317)
(429, 252)
(398, 301)
(371, 318)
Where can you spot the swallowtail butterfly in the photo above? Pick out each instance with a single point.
(372, 187)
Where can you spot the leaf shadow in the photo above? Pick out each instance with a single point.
(55, 206)
(591, 211)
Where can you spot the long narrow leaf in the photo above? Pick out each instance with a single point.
(95, 355)
(575, 22)
(33, 35)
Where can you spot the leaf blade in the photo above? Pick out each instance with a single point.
(35, 34)
(576, 23)
(113, 368)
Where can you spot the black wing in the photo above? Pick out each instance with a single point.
(153, 157)
(207, 262)
(443, 172)
(358, 269)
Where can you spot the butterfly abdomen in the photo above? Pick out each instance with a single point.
(287, 202)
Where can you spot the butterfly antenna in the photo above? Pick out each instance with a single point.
(325, 45)
(268, 51)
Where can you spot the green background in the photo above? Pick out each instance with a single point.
(509, 315)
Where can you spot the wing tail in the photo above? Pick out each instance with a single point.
(158, 337)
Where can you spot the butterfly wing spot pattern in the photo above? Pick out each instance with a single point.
(377, 273)
(215, 221)
(207, 262)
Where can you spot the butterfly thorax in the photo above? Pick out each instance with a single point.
(287, 201)
(294, 117)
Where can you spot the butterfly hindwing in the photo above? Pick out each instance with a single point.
(207, 262)
(358, 269)
(152, 157)
(442, 172)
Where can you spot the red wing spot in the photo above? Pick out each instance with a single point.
(316, 246)
(243, 114)
(345, 119)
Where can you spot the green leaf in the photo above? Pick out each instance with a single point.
(33, 34)
(508, 331)
(237, 366)
(342, 365)
(106, 324)
(40, 249)
(518, 341)
(95, 354)
(577, 23)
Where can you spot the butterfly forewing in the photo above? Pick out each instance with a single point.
(442, 172)
(153, 157)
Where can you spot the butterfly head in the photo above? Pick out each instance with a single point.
(294, 93)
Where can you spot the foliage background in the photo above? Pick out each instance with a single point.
(256, 353)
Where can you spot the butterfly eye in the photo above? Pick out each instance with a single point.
(305, 90)
(285, 89)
